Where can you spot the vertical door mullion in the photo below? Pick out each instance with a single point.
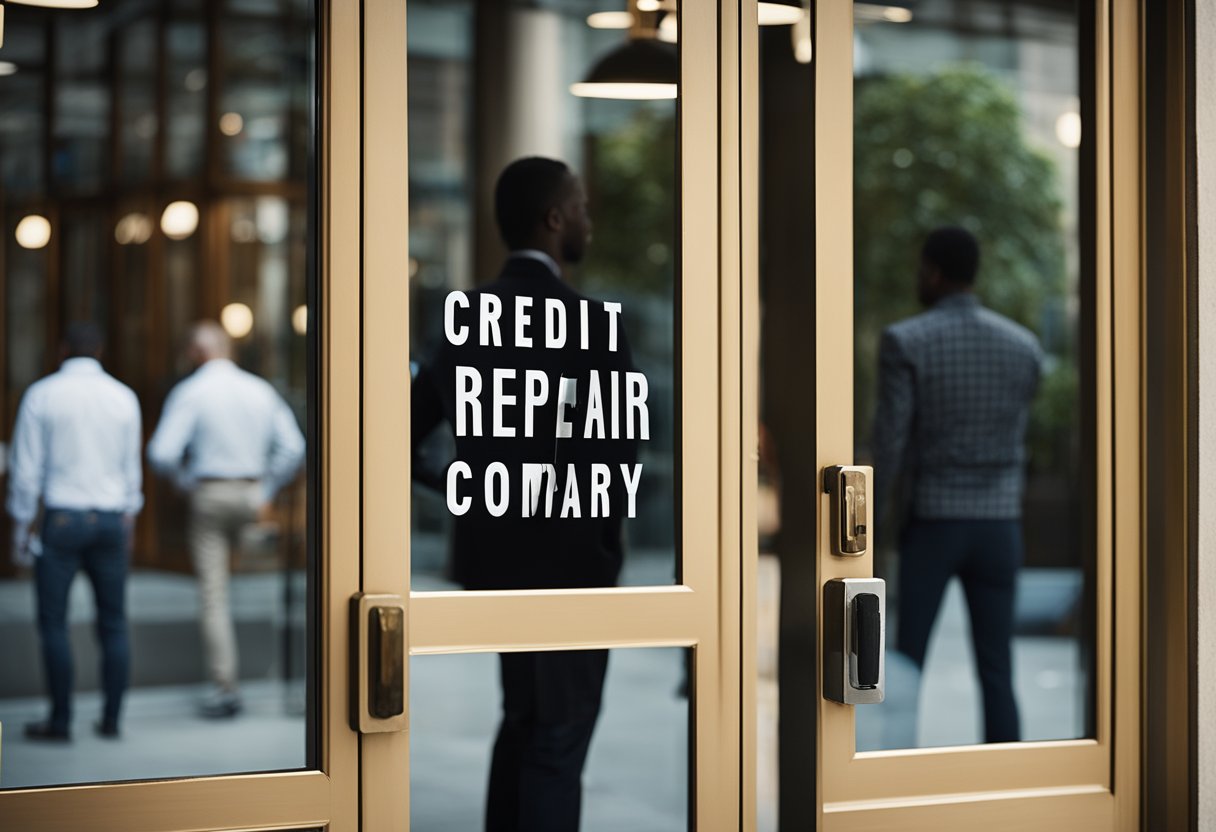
(385, 497)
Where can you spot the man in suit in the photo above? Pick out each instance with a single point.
(956, 383)
(76, 451)
(517, 376)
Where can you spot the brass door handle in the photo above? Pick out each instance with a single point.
(379, 651)
(848, 487)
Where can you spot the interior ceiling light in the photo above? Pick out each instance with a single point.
(610, 20)
(133, 229)
(179, 220)
(34, 231)
(7, 68)
(879, 13)
(643, 68)
(55, 4)
(800, 35)
(231, 124)
(237, 320)
(46, 4)
(1068, 129)
(669, 29)
(778, 12)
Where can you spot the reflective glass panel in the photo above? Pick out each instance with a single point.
(971, 363)
(548, 738)
(156, 599)
(566, 470)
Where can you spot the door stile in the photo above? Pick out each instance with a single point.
(737, 473)
(833, 276)
(340, 325)
(385, 451)
(746, 345)
(1129, 279)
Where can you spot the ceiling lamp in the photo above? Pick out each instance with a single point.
(643, 68)
(179, 220)
(133, 229)
(46, 4)
(33, 232)
(55, 4)
(237, 320)
(778, 12)
(610, 20)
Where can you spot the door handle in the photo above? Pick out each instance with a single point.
(378, 655)
(848, 487)
(854, 640)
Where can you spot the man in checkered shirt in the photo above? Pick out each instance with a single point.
(955, 387)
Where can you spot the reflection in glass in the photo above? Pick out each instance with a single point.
(101, 166)
(969, 404)
(508, 68)
(458, 737)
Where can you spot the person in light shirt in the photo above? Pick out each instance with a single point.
(76, 451)
(228, 439)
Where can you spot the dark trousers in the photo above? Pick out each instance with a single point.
(95, 541)
(985, 555)
(550, 702)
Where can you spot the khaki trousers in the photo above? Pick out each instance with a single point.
(218, 511)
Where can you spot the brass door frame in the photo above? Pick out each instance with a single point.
(329, 794)
(1092, 783)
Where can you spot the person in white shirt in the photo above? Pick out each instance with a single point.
(230, 441)
(76, 451)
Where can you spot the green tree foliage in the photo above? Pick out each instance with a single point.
(948, 149)
(632, 182)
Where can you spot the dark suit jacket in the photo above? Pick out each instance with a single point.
(514, 551)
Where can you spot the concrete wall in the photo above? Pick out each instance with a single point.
(1205, 94)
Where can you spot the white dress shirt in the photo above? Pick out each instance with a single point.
(76, 445)
(537, 254)
(225, 423)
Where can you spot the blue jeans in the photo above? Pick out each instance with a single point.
(985, 555)
(95, 541)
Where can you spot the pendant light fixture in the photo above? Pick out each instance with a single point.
(643, 68)
(45, 4)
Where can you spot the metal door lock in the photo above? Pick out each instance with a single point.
(854, 640)
(378, 663)
(847, 486)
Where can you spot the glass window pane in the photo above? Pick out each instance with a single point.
(186, 628)
(622, 160)
(969, 396)
(535, 734)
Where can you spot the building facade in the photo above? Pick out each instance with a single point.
(320, 179)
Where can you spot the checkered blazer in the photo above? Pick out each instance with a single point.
(955, 387)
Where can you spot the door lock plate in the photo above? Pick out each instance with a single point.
(854, 640)
(847, 487)
(379, 650)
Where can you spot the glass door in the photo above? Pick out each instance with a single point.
(188, 172)
(545, 263)
(976, 309)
